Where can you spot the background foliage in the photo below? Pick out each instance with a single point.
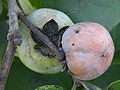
(105, 12)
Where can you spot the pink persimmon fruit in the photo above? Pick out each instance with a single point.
(89, 50)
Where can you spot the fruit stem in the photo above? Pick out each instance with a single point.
(85, 84)
(74, 86)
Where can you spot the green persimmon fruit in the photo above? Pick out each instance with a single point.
(27, 54)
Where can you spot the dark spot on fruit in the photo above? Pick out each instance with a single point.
(77, 31)
(104, 55)
(73, 44)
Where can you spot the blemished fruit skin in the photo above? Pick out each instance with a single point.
(27, 54)
(89, 50)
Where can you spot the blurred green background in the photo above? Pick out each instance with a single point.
(105, 12)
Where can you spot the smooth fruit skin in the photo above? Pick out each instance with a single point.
(89, 50)
(27, 54)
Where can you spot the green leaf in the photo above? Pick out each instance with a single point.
(3, 15)
(105, 12)
(1, 7)
(36, 3)
(112, 74)
(26, 6)
(114, 85)
(50, 87)
(116, 59)
(115, 33)
(3, 38)
(29, 5)
(22, 78)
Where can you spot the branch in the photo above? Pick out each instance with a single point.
(7, 61)
(14, 39)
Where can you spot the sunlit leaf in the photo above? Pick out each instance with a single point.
(36, 3)
(49, 87)
(26, 6)
(114, 85)
(3, 15)
(1, 7)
